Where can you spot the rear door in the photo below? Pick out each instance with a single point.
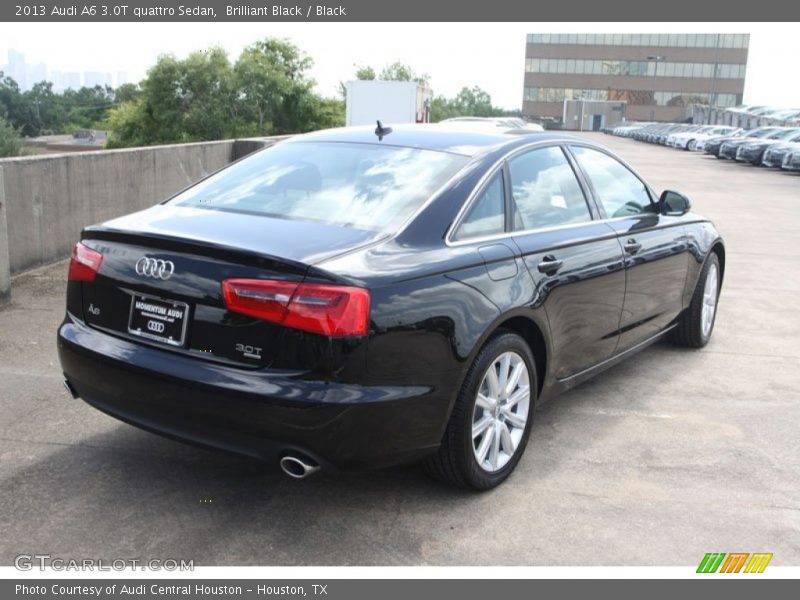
(493, 265)
(655, 246)
(575, 261)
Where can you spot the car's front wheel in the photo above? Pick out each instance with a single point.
(492, 416)
(697, 321)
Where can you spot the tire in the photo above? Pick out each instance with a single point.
(695, 326)
(691, 145)
(457, 461)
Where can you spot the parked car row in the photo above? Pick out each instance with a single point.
(791, 115)
(493, 124)
(771, 146)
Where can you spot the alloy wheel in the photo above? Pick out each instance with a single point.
(501, 411)
(710, 293)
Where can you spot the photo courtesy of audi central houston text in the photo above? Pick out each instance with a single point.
(362, 297)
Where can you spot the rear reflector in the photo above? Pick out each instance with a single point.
(84, 264)
(331, 310)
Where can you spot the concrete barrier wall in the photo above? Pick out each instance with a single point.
(50, 199)
(5, 267)
(45, 201)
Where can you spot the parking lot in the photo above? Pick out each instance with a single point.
(668, 456)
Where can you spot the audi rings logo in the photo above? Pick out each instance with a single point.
(155, 268)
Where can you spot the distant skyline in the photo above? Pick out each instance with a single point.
(454, 55)
(27, 74)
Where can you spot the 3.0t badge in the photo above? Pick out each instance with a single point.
(155, 267)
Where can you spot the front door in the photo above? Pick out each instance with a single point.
(655, 246)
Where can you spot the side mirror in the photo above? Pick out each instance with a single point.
(673, 204)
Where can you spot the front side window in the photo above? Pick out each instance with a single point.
(545, 190)
(487, 215)
(364, 186)
(619, 191)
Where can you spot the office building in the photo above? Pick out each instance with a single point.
(655, 75)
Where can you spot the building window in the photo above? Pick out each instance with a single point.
(634, 68)
(664, 40)
(632, 97)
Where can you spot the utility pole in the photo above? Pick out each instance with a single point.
(655, 58)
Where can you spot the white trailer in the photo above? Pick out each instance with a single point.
(387, 101)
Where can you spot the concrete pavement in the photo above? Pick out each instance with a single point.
(668, 456)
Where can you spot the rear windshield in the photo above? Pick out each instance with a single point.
(365, 186)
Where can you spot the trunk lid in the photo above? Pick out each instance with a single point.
(160, 281)
(304, 242)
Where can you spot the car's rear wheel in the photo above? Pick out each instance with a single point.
(697, 322)
(491, 420)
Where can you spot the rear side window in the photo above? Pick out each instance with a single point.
(619, 191)
(487, 215)
(545, 190)
(364, 186)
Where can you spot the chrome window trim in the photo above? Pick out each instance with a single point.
(434, 196)
(480, 187)
(476, 191)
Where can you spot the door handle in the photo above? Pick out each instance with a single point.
(549, 265)
(632, 246)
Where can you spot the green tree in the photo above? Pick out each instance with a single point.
(208, 96)
(10, 142)
(365, 73)
(399, 72)
(273, 83)
(180, 101)
(46, 109)
(130, 125)
(126, 92)
(12, 104)
(469, 102)
(204, 96)
(442, 108)
(394, 72)
(321, 113)
(86, 107)
(42, 111)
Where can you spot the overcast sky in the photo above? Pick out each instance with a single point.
(490, 55)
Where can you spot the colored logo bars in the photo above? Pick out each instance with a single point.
(714, 562)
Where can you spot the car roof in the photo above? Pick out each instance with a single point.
(467, 141)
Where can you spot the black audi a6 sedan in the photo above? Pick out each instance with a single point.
(345, 300)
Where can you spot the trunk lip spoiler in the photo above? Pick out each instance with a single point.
(212, 249)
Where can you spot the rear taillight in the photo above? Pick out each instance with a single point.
(84, 264)
(331, 310)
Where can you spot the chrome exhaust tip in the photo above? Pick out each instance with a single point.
(298, 467)
(70, 389)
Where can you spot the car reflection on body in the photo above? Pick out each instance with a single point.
(359, 298)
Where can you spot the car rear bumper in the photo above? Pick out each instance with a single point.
(253, 412)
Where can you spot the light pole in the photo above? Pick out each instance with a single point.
(656, 58)
(713, 100)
